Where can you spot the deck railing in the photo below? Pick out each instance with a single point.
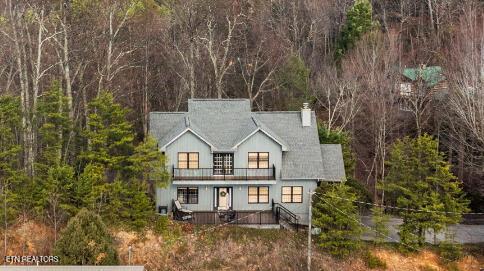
(224, 174)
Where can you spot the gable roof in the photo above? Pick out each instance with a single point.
(333, 166)
(431, 75)
(225, 123)
(179, 130)
(260, 127)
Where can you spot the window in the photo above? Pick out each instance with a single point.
(258, 160)
(187, 195)
(406, 89)
(188, 160)
(258, 194)
(292, 194)
(223, 163)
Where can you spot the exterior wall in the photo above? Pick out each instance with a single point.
(300, 209)
(240, 198)
(189, 142)
(259, 142)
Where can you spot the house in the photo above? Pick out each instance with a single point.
(225, 159)
(423, 83)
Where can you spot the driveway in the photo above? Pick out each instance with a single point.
(464, 234)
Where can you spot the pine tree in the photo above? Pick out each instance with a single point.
(125, 204)
(337, 216)
(380, 220)
(86, 241)
(148, 164)
(110, 136)
(89, 186)
(293, 79)
(420, 178)
(15, 186)
(54, 130)
(56, 195)
(359, 20)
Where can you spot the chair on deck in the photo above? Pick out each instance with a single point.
(180, 213)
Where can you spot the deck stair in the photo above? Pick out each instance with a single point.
(287, 219)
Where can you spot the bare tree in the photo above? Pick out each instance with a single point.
(466, 98)
(219, 49)
(340, 98)
(257, 69)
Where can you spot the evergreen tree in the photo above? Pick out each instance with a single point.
(56, 195)
(359, 20)
(109, 135)
(149, 165)
(54, 128)
(420, 178)
(380, 220)
(89, 186)
(349, 158)
(293, 79)
(86, 241)
(15, 186)
(126, 203)
(337, 216)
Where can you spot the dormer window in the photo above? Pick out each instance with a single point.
(258, 160)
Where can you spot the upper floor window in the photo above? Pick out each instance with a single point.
(258, 194)
(188, 160)
(258, 160)
(292, 194)
(223, 163)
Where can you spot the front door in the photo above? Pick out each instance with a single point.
(223, 198)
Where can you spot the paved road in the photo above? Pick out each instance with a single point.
(464, 234)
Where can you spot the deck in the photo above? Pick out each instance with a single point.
(234, 217)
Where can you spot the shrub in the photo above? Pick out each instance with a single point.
(373, 261)
(450, 251)
(86, 241)
(161, 224)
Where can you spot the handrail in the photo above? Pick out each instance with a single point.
(288, 215)
(224, 173)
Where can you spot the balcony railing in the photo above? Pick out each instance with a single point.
(224, 174)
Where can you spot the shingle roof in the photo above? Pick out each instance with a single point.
(333, 166)
(431, 75)
(226, 122)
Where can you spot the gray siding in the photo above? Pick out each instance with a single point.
(259, 142)
(189, 142)
(240, 198)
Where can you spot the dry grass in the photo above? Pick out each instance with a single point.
(27, 238)
(230, 248)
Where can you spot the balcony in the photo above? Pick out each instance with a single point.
(224, 174)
